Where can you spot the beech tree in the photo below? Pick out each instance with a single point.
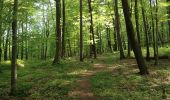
(1, 32)
(133, 40)
(14, 48)
(81, 33)
(58, 33)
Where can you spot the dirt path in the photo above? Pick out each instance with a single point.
(83, 91)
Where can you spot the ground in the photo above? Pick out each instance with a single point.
(105, 78)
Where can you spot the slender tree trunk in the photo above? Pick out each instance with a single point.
(63, 31)
(122, 56)
(92, 30)
(168, 8)
(137, 20)
(26, 41)
(146, 32)
(9, 47)
(58, 33)
(81, 33)
(6, 45)
(109, 40)
(156, 35)
(14, 48)
(115, 36)
(22, 42)
(70, 50)
(1, 32)
(133, 40)
(47, 33)
(129, 44)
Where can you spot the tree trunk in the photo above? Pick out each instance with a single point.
(122, 56)
(109, 40)
(63, 31)
(146, 32)
(137, 20)
(168, 8)
(93, 45)
(156, 35)
(81, 33)
(6, 45)
(26, 39)
(22, 42)
(14, 48)
(115, 36)
(1, 32)
(133, 40)
(58, 33)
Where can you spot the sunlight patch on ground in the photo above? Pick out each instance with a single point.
(20, 63)
(77, 72)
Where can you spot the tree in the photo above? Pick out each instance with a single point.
(14, 48)
(93, 44)
(58, 33)
(137, 20)
(63, 31)
(146, 31)
(133, 40)
(1, 9)
(122, 56)
(156, 35)
(81, 33)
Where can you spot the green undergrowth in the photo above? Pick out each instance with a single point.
(124, 83)
(162, 51)
(40, 80)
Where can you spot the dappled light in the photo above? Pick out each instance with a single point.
(84, 49)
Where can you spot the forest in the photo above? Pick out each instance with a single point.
(84, 49)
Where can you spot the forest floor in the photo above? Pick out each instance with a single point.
(83, 91)
(106, 78)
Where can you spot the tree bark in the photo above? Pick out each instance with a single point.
(63, 31)
(58, 33)
(93, 45)
(14, 48)
(133, 40)
(146, 32)
(122, 56)
(1, 32)
(137, 20)
(81, 33)
(6, 46)
(22, 41)
(156, 35)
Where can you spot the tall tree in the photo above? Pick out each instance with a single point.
(122, 56)
(137, 20)
(63, 31)
(81, 32)
(93, 45)
(6, 45)
(133, 40)
(14, 48)
(22, 41)
(146, 31)
(58, 32)
(1, 32)
(168, 8)
(156, 35)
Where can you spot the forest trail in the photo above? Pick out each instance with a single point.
(83, 91)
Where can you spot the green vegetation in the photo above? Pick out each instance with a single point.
(41, 80)
(120, 84)
(84, 49)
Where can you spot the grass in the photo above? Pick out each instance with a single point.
(124, 83)
(41, 80)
